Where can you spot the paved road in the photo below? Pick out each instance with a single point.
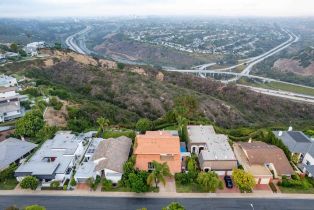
(108, 203)
(70, 42)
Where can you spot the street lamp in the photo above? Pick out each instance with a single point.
(251, 204)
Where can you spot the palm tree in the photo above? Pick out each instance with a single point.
(103, 123)
(161, 170)
(182, 121)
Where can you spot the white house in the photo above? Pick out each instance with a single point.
(104, 157)
(56, 158)
(7, 81)
(32, 48)
(10, 107)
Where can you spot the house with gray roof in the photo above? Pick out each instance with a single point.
(13, 150)
(104, 157)
(56, 158)
(296, 141)
(213, 150)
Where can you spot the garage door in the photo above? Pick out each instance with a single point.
(264, 180)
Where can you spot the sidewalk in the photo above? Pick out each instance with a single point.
(154, 195)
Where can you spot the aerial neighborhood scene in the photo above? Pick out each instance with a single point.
(156, 105)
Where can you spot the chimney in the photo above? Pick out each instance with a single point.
(280, 133)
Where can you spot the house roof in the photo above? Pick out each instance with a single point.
(157, 142)
(112, 153)
(13, 149)
(218, 147)
(62, 148)
(7, 89)
(296, 141)
(260, 153)
(10, 107)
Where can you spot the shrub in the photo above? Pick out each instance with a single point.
(72, 182)
(55, 103)
(65, 187)
(34, 207)
(54, 184)
(7, 173)
(182, 178)
(106, 185)
(29, 182)
(12, 208)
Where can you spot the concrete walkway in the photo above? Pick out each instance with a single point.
(154, 195)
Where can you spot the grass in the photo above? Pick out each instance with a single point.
(296, 190)
(188, 188)
(8, 184)
(282, 86)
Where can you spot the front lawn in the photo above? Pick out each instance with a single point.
(8, 184)
(297, 184)
(296, 190)
(188, 188)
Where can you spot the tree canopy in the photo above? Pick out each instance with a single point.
(30, 124)
(245, 181)
(29, 182)
(161, 170)
(144, 125)
(174, 206)
(209, 181)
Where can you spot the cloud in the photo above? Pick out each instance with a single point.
(29, 8)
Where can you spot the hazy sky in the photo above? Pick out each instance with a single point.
(50, 8)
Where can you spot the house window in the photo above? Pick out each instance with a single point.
(151, 166)
(308, 163)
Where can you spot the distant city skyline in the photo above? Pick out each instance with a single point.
(90, 8)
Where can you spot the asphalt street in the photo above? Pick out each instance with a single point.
(118, 203)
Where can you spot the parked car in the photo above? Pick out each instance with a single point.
(228, 181)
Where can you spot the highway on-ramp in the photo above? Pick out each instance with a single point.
(71, 43)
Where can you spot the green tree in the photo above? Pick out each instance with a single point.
(106, 185)
(245, 181)
(47, 132)
(55, 103)
(192, 168)
(91, 183)
(103, 124)
(144, 125)
(72, 182)
(182, 122)
(161, 170)
(120, 65)
(29, 182)
(58, 46)
(34, 207)
(22, 53)
(209, 181)
(186, 106)
(174, 206)
(14, 47)
(30, 124)
(137, 181)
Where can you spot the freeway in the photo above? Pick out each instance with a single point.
(121, 203)
(71, 43)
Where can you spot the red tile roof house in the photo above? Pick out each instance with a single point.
(160, 146)
(261, 160)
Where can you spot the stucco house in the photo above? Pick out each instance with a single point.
(262, 160)
(213, 150)
(161, 146)
(104, 157)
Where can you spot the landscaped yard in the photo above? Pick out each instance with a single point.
(8, 184)
(188, 188)
(296, 190)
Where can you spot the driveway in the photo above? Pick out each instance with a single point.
(169, 187)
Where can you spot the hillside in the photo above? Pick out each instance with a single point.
(125, 95)
(301, 64)
(118, 46)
